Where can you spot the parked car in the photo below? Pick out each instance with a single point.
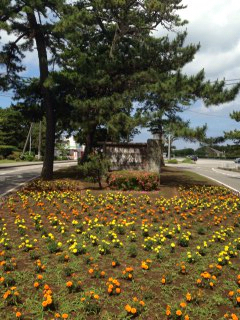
(237, 160)
(193, 157)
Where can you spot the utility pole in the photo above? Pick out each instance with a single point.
(169, 146)
(39, 140)
(28, 136)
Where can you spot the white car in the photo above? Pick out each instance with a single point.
(237, 160)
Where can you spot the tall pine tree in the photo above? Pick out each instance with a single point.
(29, 22)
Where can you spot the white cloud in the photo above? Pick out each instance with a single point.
(215, 24)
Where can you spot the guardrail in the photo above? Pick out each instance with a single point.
(229, 166)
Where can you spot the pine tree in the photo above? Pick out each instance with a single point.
(234, 134)
(110, 58)
(28, 21)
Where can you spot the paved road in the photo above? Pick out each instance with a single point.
(12, 176)
(213, 169)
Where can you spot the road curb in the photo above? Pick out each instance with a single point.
(7, 166)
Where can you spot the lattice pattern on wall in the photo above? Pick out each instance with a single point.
(127, 156)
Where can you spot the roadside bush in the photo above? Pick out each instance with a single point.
(15, 155)
(173, 161)
(28, 156)
(134, 180)
(6, 150)
(188, 160)
(95, 168)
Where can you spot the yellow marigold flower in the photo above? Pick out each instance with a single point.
(188, 296)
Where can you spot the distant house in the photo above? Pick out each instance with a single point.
(216, 153)
(67, 147)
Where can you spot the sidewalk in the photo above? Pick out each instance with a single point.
(30, 163)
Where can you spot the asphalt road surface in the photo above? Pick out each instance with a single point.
(12, 177)
(213, 169)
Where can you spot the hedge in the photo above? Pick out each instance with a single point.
(133, 180)
(7, 150)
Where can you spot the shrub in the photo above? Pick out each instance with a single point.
(134, 180)
(6, 150)
(188, 160)
(173, 161)
(96, 167)
(28, 156)
(14, 155)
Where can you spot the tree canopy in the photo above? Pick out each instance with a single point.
(108, 57)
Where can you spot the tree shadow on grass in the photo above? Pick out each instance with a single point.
(171, 176)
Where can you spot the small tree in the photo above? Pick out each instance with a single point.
(96, 167)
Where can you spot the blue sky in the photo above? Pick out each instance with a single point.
(215, 24)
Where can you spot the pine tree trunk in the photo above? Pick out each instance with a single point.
(89, 145)
(47, 170)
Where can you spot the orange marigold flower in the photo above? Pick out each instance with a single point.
(90, 271)
(103, 273)
(234, 317)
(135, 299)
(46, 287)
(36, 284)
(238, 299)
(57, 315)
(168, 310)
(128, 308)
(118, 290)
(211, 284)
(183, 305)
(44, 304)
(6, 294)
(113, 264)
(96, 296)
(178, 312)
(69, 284)
(186, 317)
(18, 314)
(163, 280)
(39, 277)
(142, 303)
(133, 310)
(231, 293)
(64, 315)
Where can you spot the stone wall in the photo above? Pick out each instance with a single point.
(133, 156)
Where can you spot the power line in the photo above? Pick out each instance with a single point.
(4, 95)
(205, 114)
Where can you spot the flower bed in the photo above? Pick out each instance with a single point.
(88, 255)
(134, 180)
